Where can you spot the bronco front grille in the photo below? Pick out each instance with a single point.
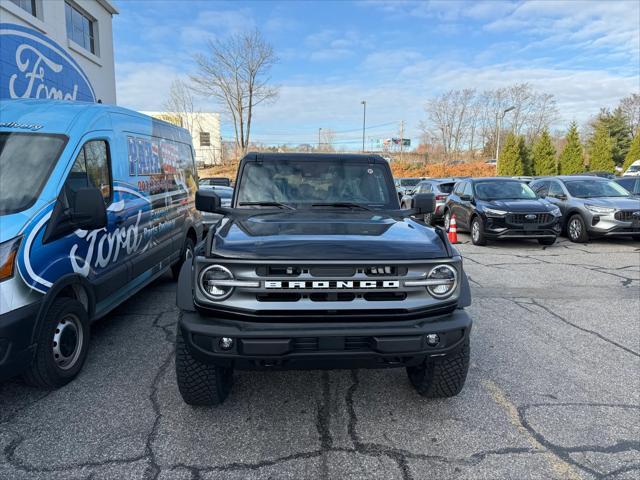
(529, 218)
(625, 215)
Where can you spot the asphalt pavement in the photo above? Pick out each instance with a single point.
(553, 392)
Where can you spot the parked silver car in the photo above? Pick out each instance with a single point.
(440, 187)
(591, 206)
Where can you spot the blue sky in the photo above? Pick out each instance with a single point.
(393, 54)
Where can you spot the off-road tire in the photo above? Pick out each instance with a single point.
(583, 235)
(547, 241)
(199, 383)
(479, 237)
(442, 376)
(187, 249)
(44, 371)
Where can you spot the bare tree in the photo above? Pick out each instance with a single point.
(327, 137)
(630, 107)
(235, 72)
(180, 106)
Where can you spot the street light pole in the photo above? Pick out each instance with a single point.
(364, 120)
(500, 118)
(319, 130)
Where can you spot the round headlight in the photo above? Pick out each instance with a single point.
(212, 281)
(444, 281)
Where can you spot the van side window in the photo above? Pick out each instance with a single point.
(91, 169)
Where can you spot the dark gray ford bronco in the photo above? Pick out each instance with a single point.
(314, 265)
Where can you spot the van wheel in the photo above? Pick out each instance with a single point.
(447, 220)
(200, 383)
(577, 230)
(62, 344)
(187, 252)
(443, 376)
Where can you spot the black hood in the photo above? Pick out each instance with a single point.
(520, 206)
(331, 235)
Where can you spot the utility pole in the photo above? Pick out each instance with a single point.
(319, 130)
(401, 138)
(364, 121)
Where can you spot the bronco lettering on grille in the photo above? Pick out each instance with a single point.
(331, 284)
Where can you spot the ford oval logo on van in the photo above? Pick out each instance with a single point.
(34, 66)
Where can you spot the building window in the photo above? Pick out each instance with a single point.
(27, 5)
(80, 28)
(205, 139)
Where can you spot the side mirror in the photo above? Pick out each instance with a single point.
(424, 203)
(88, 212)
(207, 201)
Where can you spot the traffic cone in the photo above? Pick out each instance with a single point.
(453, 231)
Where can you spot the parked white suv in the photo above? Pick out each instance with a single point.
(633, 170)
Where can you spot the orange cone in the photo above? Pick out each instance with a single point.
(453, 230)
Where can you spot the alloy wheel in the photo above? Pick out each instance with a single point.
(575, 229)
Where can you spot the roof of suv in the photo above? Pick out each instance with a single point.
(276, 157)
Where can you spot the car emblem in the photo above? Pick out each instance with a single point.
(530, 217)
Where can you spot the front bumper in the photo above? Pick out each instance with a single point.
(607, 226)
(499, 228)
(16, 349)
(303, 344)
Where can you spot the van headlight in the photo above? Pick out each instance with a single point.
(442, 281)
(216, 282)
(8, 253)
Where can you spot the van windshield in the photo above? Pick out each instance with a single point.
(26, 161)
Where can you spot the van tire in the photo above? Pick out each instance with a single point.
(186, 252)
(200, 384)
(64, 329)
(442, 377)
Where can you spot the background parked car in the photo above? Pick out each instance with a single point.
(497, 208)
(631, 184)
(633, 170)
(208, 181)
(591, 206)
(405, 185)
(440, 187)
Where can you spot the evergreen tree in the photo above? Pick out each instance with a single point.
(510, 158)
(527, 157)
(619, 130)
(544, 155)
(571, 158)
(634, 152)
(601, 151)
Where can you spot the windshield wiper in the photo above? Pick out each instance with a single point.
(341, 205)
(267, 204)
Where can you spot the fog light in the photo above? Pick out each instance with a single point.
(226, 343)
(433, 339)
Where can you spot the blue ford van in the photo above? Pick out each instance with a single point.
(96, 202)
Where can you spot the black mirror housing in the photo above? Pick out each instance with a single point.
(424, 203)
(207, 201)
(89, 211)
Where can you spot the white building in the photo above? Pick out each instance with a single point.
(57, 49)
(205, 133)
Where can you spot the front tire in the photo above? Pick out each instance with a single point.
(577, 230)
(62, 345)
(477, 232)
(444, 376)
(447, 220)
(186, 253)
(199, 383)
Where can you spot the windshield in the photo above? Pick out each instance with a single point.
(307, 182)
(634, 168)
(26, 160)
(591, 189)
(498, 190)
(409, 182)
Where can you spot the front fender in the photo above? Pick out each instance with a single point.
(184, 296)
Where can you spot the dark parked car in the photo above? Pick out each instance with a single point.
(631, 184)
(440, 187)
(497, 208)
(591, 206)
(209, 181)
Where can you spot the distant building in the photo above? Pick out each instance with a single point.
(205, 133)
(57, 49)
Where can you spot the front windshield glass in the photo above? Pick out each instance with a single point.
(26, 160)
(634, 168)
(591, 189)
(306, 182)
(500, 190)
(409, 182)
